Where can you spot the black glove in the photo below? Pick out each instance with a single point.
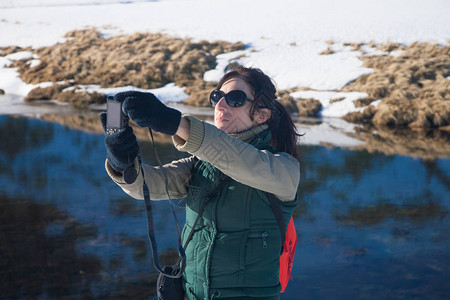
(121, 147)
(147, 111)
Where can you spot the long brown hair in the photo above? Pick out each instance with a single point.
(283, 130)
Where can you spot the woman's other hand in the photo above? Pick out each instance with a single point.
(147, 111)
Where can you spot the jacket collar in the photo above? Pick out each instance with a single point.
(249, 134)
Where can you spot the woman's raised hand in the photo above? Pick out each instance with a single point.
(147, 111)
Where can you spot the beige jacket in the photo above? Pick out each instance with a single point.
(277, 173)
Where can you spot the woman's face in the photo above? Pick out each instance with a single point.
(233, 119)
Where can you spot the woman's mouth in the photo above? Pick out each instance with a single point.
(221, 118)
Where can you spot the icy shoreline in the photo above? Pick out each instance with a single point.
(328, 132)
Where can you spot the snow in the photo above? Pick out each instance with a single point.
(10, 81)
(396, 53)
(34, 62)
(31, 3)
(376, 103)
(5, 62)
(20, 55)
(222, 62)
(168, 93)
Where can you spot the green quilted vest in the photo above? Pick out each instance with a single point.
(235, 249)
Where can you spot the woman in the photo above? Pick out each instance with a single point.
(235, 248)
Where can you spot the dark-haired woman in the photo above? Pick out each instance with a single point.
(235, 247)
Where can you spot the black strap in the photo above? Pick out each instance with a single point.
(202, 208)
(150, 224)
(278, 215)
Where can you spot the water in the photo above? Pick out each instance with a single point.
(370, 226)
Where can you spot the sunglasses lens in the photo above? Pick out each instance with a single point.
(215, 97)
(236, 98)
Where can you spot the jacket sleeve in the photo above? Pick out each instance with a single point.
(178, 174)
(276, 173)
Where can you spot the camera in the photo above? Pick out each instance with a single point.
(115, 119)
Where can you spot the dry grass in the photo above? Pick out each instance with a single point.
(308, 107)
(289, 103)
(427, 144)
(12, 49)
(142, 60)
(361, 117)
(363, 101)
(198, 92)
(47, 93)
(303, 107)
(334, 100)
(355, 46)
(413, 86)
(327, 51)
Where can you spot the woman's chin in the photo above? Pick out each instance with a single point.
(221, 125)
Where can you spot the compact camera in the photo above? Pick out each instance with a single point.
(115, 119)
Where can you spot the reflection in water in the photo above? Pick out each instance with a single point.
(378, 213)
(18, 136)
(424, 143)
(370, 225)
(39, 256)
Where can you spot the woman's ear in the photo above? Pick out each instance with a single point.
(262, 115)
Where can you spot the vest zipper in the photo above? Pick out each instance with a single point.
(263, 235)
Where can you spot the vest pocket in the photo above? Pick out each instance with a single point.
(228, 260)
(262, 258)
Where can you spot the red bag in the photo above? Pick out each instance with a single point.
(287, 257)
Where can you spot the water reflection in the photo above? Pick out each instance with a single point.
(18, 136)
(380, 212)
(425, 143)
(39, 255)
(370, 225)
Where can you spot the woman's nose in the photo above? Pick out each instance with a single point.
(222, 104)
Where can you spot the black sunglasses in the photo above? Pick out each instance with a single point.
(234, 98)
